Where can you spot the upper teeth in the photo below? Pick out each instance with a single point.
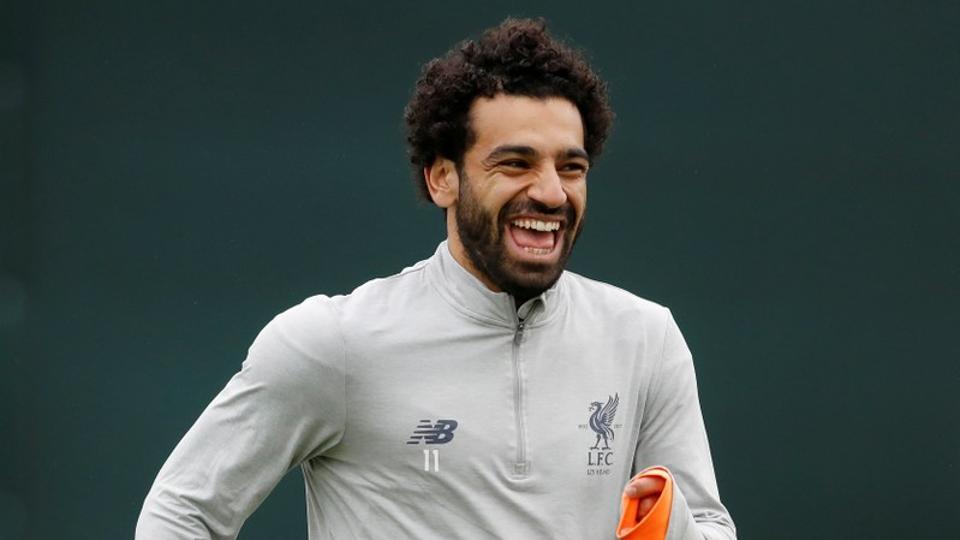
(536, 224)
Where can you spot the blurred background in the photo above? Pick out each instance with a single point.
(782, 175)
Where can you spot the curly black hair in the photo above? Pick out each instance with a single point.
(517, 57)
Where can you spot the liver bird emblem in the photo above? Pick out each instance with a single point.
(602, 419)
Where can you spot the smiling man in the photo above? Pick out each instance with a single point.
(484, 392)
(516, 202)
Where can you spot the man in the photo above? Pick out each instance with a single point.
(484, 392)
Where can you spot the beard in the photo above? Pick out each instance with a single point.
(481, 234)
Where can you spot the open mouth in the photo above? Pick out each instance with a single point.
(535, 237)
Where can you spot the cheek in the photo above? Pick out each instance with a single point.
(499, 201)
(577, 195)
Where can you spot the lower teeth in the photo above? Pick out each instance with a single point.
(536, 251)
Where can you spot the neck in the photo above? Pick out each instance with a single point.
(459, 254)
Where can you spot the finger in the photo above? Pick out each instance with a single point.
(645, 487)
(644, 507)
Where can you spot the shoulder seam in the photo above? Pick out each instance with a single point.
(610, 286)
(656, 370)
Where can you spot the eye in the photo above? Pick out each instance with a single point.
(515, 164)
(574, 167)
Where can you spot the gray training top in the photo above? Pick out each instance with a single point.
(423, 405)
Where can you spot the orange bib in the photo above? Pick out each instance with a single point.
(654, 525)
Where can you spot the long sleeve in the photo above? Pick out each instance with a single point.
(672, 435)
(285, 406)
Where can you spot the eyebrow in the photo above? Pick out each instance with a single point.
(531, 152)
(576, 153)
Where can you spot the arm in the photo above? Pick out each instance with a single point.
(285, 406)
(672, 435)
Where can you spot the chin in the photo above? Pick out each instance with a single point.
(526, 280)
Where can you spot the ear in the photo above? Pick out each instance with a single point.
(443, 182)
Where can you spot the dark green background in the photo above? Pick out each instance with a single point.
(783, 175)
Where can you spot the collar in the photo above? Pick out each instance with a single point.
(469, 296)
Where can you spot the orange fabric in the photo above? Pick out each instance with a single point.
(654, 525)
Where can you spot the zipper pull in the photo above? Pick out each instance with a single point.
(519, 334)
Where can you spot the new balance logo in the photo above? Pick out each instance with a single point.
(430, 433)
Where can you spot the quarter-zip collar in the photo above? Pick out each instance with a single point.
(468, 295)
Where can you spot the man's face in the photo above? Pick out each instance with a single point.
(522, 191)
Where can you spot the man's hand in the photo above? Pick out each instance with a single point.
(648, 490)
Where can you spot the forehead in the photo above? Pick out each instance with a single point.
(548, 124)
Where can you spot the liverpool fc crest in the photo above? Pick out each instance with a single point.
(601, 421)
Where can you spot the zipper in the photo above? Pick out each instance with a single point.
(520, 466)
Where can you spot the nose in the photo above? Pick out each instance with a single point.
(548, 189)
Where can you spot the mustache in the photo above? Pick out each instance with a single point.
(529, 206)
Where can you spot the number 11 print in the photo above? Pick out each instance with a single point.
(436, 460)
